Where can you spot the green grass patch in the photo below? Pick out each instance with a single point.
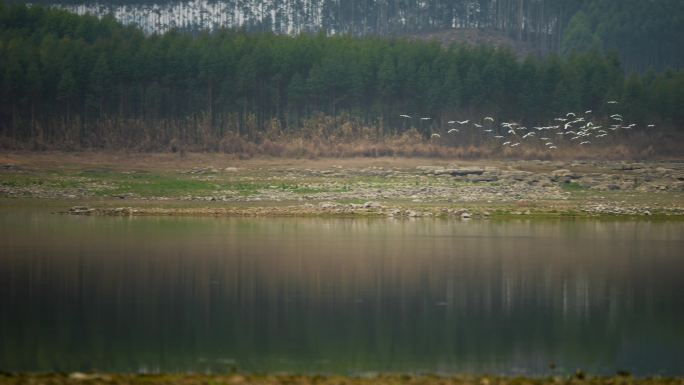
(350, 201)
(572, 186)
(155, 185)
(20, 180)
(98, 173)
(245, 188)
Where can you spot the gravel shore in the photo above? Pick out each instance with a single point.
(384, 187)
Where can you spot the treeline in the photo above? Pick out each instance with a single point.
(78, 81)
(643, 33)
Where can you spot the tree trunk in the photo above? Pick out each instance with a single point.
(210, 96)
(14, 120)
(520, 19)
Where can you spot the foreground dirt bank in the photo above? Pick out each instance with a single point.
(191, 379)
(217, 185)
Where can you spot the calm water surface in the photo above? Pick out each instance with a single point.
(339, 295)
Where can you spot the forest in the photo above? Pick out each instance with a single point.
(644, 34)
(72, 81)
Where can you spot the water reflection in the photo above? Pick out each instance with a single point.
(323, 295)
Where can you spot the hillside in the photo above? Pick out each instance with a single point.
(73, 81)
(477, 36)
(644, 34)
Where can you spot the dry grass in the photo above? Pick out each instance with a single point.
(327, 137)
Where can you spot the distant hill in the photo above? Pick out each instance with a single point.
(477, 36)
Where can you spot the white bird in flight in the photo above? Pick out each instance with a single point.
(576, 125)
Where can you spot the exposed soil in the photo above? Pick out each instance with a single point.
(218, 185)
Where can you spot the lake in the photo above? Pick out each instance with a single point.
(350, 296)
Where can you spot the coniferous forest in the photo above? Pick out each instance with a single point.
(73, 81)
(644, 34)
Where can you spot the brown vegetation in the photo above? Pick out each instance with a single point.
(326, 136)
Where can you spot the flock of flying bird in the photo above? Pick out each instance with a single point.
(579, 129)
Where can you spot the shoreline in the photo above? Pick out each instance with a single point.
(376, 210)
(210, 185)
